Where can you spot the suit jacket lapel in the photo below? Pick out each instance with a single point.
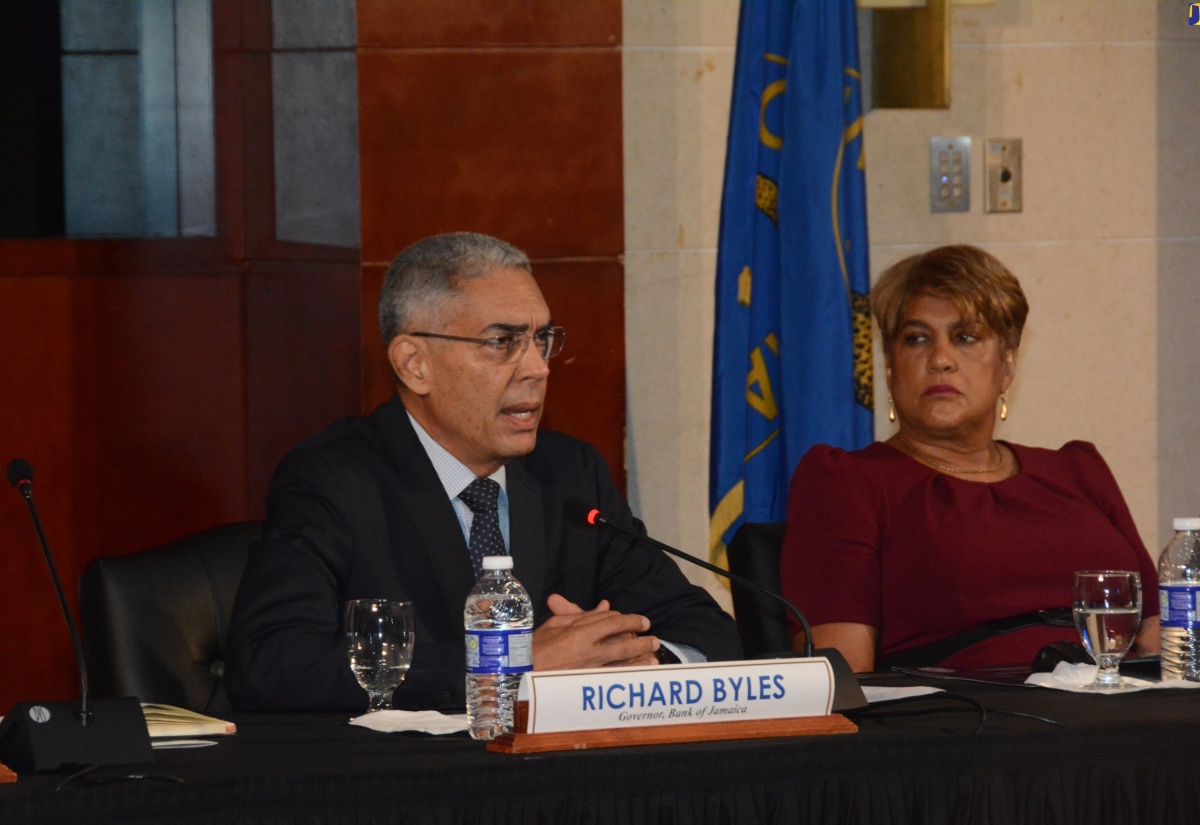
(439, 535)
(527, 530)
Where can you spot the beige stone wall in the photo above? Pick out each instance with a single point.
(1103, 94)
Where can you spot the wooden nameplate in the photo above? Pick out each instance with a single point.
(671, 734)
(6, 774)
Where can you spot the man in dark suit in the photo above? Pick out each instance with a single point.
(377, 507)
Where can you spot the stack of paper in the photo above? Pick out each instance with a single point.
(168, 721)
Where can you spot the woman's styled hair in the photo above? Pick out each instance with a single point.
(976, 283)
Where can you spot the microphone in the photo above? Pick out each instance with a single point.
(578, 511)
(44, 736)
(20, 475)
(848, 694)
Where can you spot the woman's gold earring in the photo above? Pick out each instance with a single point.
(1004, 406)
(892, 410)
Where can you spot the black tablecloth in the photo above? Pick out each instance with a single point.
(1130, 758)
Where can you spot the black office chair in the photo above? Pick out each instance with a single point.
(155, 622)
(753, 553)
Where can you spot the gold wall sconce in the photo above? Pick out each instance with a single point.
(910, 52)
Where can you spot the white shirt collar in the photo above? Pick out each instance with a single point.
(454, 475)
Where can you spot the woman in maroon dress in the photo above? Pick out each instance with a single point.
(923, 548)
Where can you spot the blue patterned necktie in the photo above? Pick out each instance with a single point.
(486, 539)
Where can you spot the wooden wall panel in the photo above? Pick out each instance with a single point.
(36, 349)
(586, 397)
(488, 22)
(377, 381)
(129, 404)
(521, 144)
(302, 360)
(504, 117)
(160, 410)
(155, 383)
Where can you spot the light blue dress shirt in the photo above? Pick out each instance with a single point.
(455, 476)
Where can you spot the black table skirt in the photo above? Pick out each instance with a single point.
(1123, 759)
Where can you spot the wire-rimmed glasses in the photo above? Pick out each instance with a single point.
(509, 348)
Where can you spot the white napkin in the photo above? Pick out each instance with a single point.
(889, 694)
(426, 721)
(1067, 676)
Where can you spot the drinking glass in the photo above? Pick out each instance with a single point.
(1108, 610)
(379, 642)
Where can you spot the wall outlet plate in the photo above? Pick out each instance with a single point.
(1002, 178)
(949, 174)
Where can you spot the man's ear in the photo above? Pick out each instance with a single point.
(409, 363)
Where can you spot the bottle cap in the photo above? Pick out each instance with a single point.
(506, 563)
(1186, 524)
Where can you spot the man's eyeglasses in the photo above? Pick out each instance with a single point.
(508, 349)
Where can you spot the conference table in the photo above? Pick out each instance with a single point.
(977, 753)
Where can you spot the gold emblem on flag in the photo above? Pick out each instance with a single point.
(745, 281)
(864, 372)
(766, 197)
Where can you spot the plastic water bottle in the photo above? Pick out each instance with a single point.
(1178, 587)
(498, 619)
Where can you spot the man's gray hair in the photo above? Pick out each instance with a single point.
(427, 273)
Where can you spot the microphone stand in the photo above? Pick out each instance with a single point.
(848, 693)
(595, 517)
(82, 712)
(49, 736)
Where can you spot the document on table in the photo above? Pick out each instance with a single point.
(891, 694)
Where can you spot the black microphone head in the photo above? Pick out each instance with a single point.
(580, 512)
(20, 472)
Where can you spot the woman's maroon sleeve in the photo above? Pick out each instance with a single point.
(830, 565)
(1103, 489)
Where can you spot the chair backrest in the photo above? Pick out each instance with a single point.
(753, 552)
(155, 622)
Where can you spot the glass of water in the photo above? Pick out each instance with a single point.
(1108, 610)
(379, 643)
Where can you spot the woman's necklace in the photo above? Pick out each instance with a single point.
(930, 460)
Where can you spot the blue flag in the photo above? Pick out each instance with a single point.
(792, 350)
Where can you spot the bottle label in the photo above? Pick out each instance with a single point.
(1177, 605)
(500, 651)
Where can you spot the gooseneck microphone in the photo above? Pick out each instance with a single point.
(20, 476)
(47, 736)
(848, 694)
(577, 511)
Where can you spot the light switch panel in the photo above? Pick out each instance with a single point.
(1002, 178)
(950, 174)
